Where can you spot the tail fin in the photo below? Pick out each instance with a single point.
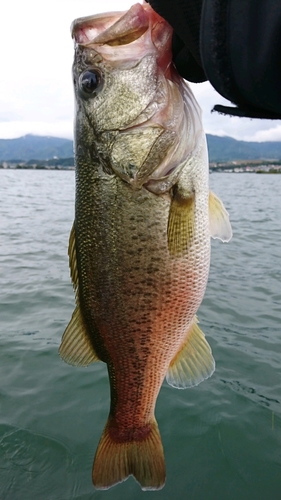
(143, 458)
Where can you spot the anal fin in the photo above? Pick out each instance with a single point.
(194, 362)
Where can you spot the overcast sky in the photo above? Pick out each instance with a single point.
(35, 81)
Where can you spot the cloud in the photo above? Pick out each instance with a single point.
(271, 134)
(12, 129)
(36, 93)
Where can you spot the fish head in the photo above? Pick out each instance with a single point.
(131, 111)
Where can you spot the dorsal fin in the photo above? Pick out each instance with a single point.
(220, 226)
(76, 347)
(194, 362)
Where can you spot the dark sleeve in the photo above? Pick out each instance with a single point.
(235, 44)
(184, 16)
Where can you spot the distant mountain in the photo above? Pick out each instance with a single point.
(220, 149)
(34, 146)
(228, 149)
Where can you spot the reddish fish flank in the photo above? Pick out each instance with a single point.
(139, 249)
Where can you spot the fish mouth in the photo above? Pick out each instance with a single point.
(114, 28)
(126, 35)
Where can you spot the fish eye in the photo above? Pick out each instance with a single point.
(90, 82)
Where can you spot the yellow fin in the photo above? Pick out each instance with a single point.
(142, 456)
(220, 226)
(180, 225)
(194, 361)
(76, 347)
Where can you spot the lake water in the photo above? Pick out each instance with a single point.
(222, 439)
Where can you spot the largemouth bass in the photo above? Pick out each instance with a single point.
(139, 248)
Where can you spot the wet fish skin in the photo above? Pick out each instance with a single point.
(140, 244)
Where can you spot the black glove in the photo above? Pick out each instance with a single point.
(184, 17)
(235, 44)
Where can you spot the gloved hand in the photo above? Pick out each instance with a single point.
(184, 17)
(235, 44)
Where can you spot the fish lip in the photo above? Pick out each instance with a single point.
(106, 28)
(113, 35)
(88, 20)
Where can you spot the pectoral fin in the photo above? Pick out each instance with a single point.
(180, 225)
(220, 226)
(76, 347)
(194, 361)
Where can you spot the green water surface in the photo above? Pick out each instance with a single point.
(222, 439)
